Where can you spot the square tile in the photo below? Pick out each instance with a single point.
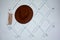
(45, 25)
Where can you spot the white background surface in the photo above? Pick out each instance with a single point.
(45, 24)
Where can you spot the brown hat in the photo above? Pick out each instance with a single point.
(24, 14)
